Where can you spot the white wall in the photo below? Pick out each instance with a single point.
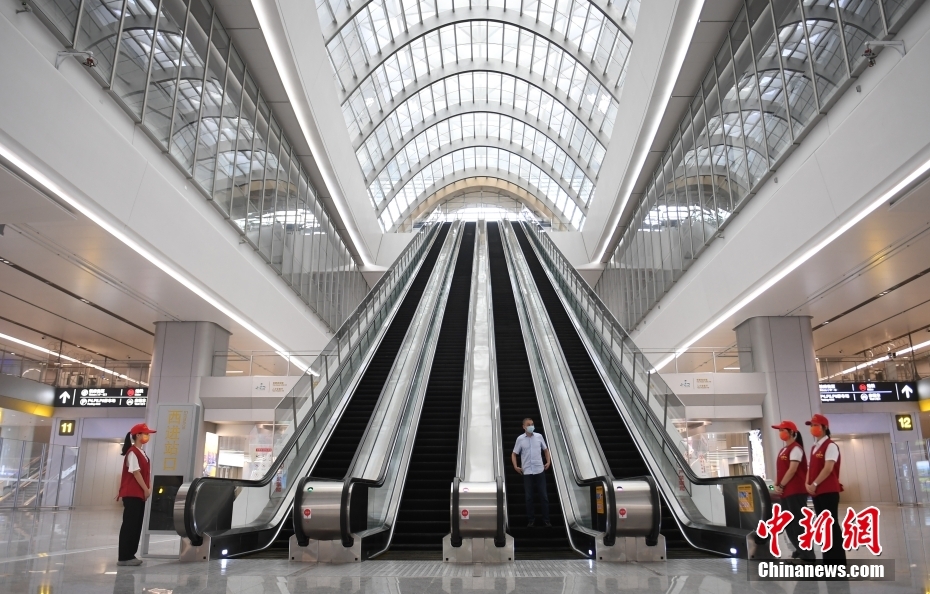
(867, 469)
(66, 126)
(865, 144)
(98, 474)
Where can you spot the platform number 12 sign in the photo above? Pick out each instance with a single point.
(904, 422)
(65, 428)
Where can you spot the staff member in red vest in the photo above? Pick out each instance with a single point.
(791, 468)
(134, 488)
(823, 481)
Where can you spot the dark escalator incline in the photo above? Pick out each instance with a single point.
(616, 442)
(518, 401)
(334, 461)
(423, 518)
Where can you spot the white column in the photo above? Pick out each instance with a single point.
(783, 349)
(184, 353)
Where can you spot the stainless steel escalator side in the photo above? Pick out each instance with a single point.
(378, 469)
(576, 466)
(238, 506)
(718, 515)
(570, 424)
(479, 484)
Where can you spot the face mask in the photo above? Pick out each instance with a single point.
(529, 429)
(817, 431)
(784, 435)
(144, 438)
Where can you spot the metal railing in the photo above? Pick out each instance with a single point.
(118, 374)
(653, 414)
(705, 359)
(36, 475)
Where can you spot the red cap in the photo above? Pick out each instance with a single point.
(140, 428)
(818, 419)
(786, 425)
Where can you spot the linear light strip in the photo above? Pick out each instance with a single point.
(804, 257)
(652, 127)
(52, 187)
(279, 49)
(67, 358)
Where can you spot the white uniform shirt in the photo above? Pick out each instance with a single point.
(132, 462)
(796, 455)
(832, 453)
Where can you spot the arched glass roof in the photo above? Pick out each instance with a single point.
(482, 160)
(482, 91)
(526, 87)
(487, 128)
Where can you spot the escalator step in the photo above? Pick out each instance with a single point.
(423, 518)
(517, 397)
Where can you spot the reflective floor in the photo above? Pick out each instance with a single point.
(75, 552)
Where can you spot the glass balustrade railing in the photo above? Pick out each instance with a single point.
(301, 418)
(715, 514)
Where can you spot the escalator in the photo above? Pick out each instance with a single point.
(423, 518)
(518, 401)
(616, 442)
(334, 461)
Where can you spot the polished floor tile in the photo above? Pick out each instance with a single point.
(75, 553)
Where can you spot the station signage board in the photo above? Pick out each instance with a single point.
(859, 392)
(101, 397)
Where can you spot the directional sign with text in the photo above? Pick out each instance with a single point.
(868, 392)
(101, 397)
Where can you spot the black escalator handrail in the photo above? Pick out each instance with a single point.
(605, 480)
(344, 520)
(679, 460)
(190, 522)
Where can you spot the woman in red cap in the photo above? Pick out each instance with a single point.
(134, 488)
(823, 481)
(791, 468)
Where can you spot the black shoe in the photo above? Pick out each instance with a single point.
(531, 524)
(547, 524)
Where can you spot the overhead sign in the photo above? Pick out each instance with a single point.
(869, 392)
(101, 397)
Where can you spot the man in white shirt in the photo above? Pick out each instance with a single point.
(530, 447)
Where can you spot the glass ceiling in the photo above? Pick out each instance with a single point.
(485, 127)
(484, 161)
(418, 79)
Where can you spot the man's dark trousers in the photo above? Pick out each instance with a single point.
(534, 485)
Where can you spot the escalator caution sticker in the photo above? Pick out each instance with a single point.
(464, 514)
(307, 512)
(622, 513)
(744, 499)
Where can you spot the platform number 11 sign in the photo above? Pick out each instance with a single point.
(904, 422)
(65, 428)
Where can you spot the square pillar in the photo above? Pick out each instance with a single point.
(782, 347)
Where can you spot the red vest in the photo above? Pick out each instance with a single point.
(128, 485)
(831, 484)
(796, 485)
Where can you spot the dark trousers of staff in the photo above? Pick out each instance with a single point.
(131, 530)
(831, 503)
(794, 504)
